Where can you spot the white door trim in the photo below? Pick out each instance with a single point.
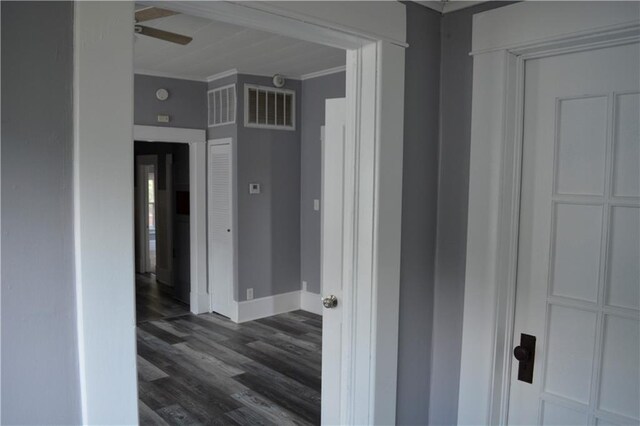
(503, 39)
(373, 188)
(196, 138)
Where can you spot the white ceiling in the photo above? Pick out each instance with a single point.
(218, 47)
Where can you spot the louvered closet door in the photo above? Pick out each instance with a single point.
(578, 289)
(220, 228)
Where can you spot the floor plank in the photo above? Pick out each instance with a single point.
(207, 370)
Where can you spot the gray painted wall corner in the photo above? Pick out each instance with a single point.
(40, 371)
(419, 201)
(453, 192)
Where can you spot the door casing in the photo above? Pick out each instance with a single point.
(503, 39)
(196, 139)
(103, 87)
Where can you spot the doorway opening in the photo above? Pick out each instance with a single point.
(371, 212)
(265, 198)
(162, 230)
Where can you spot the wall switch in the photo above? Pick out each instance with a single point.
(249, 294)
(316, 205)
(254, 188)
(304, 286)
(163, 118)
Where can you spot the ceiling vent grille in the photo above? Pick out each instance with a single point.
(269, 108)
(222, 105)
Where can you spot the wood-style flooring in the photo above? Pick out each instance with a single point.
(155, 301)
(207, 370)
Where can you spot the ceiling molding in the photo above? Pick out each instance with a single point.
(322, 73)
(433, 5)
(448, 6)
(167, 75)
(223, 74)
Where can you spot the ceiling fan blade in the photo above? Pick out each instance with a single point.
(149, 13)
(163, 35)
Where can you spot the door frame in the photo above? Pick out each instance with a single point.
(503, 39)
(103, 87)
(233, 307)
(196, 139)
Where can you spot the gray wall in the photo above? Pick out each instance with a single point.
(453, 190)
(419, 201)
(314, 93)
(268, 240)
(187, 103)
(40, 382)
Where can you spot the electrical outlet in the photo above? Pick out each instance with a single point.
(316, 205)
(249, 294)
(304, 286)
(163, 118)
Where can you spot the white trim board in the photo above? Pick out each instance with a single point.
(263, 307)
(503, 40)
(372, 188)
(447, 6)
(311, 302)
(199, 300)
(308, 76)
(322, 73)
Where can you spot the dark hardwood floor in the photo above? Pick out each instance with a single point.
(207, 370)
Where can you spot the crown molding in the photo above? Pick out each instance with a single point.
(448, 6)
(223, 74)
(322, 73)
(167, 75)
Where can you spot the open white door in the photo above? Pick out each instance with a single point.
(578, 283)
(331, 272)
(219, 169)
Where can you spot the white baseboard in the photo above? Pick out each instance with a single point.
(311, 302)
(263, 307)
(199, 303)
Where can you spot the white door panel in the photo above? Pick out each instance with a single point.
(220, 228)
(578, 289)
(331, 273)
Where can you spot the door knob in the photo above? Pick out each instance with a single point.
(525, 353)
(330, 302)
(521, 354)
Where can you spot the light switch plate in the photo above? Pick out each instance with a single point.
(254, 188)
(316, 205)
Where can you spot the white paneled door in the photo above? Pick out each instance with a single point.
(220, 228)
(578, 289)
(332, 241)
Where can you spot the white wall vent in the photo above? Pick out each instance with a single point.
(269, 108)
(222, 105)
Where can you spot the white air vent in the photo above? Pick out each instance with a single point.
(269, 108)
(222, 105)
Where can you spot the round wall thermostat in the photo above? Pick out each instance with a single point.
(278, 80)
(162, 94)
